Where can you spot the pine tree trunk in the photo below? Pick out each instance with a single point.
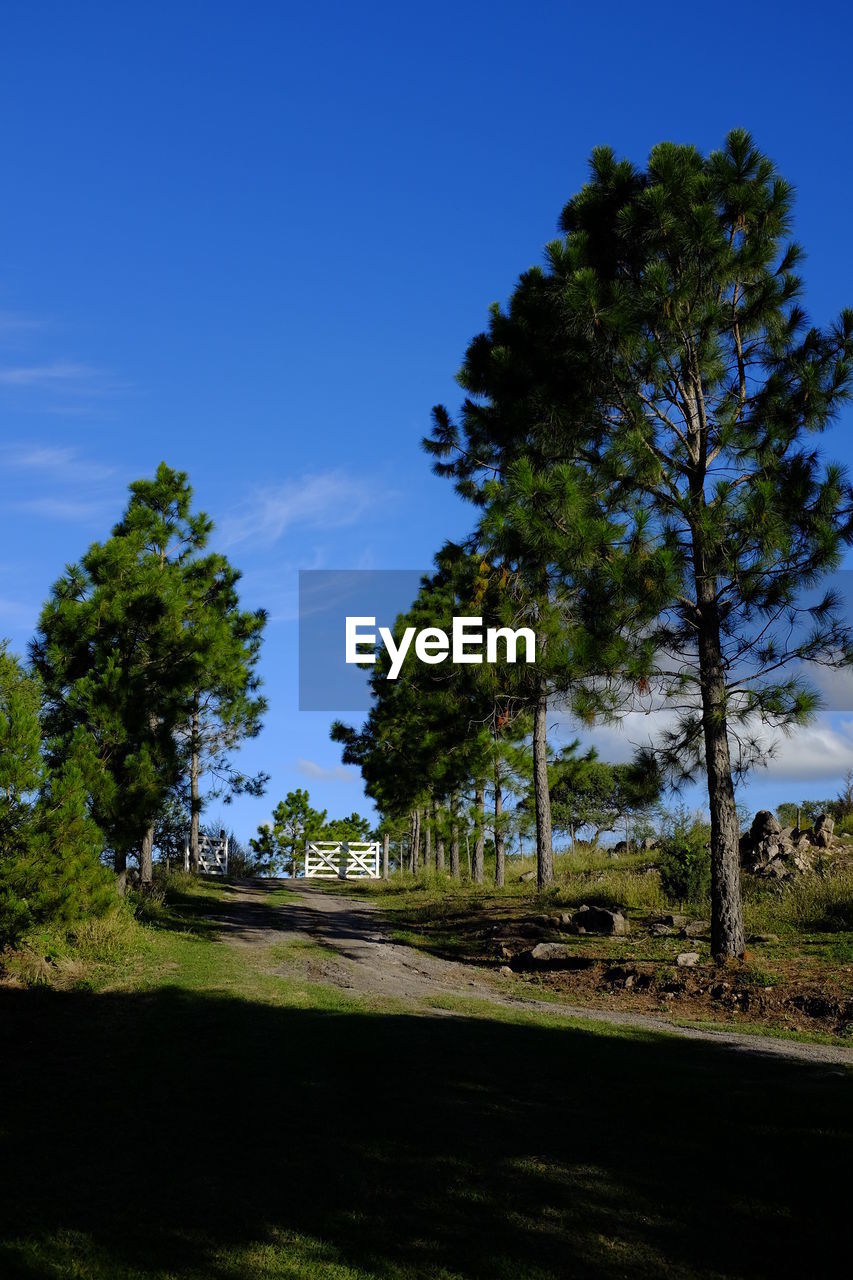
(120, 867)
(727, 935)
(146, 857)
(195, 803)
(500, 848)
(454, 836)
(386, 841)
(416, 843)
(542, 796)
(479, 834)
(439, 838)
(427, 838)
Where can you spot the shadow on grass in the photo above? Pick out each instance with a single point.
(167, 1132)
(217, 906)
(187, 913)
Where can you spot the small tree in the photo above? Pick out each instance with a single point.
(49, 847)
(21, 775)
(21, 764)
(279, 846)
(352, 828)
(685, 859)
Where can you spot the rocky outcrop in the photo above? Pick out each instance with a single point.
(822, 831)
(773, 852)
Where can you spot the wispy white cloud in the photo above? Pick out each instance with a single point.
(14, 323)
(48, 460)
(54, 482)
(53, 373)
(53, 382)
(327, 500)
(59, 508)
(337, 773)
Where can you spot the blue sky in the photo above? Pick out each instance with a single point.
(254, 240)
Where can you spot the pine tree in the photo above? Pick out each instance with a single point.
(21, 775)
(519, 452)
(281, 844)
(116, 666)
(355, 827)
(148, 666)
(225, 706)
(441, 732)
(21, 764)
(50, 866)
(711, 388)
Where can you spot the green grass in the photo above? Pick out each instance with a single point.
(206, 1112)
(811, 918)
(809, 904)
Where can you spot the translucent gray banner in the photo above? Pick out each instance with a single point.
(327, 597)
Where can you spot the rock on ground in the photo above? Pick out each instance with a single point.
(551, 955)
(600, 920)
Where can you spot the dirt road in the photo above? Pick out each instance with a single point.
(359, 955)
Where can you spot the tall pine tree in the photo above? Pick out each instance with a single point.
(681, 279)
(115, 662)
(148, 666)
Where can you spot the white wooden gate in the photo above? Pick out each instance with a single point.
(342, 860)
(212, 855)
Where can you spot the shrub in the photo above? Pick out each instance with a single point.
(685, 862)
